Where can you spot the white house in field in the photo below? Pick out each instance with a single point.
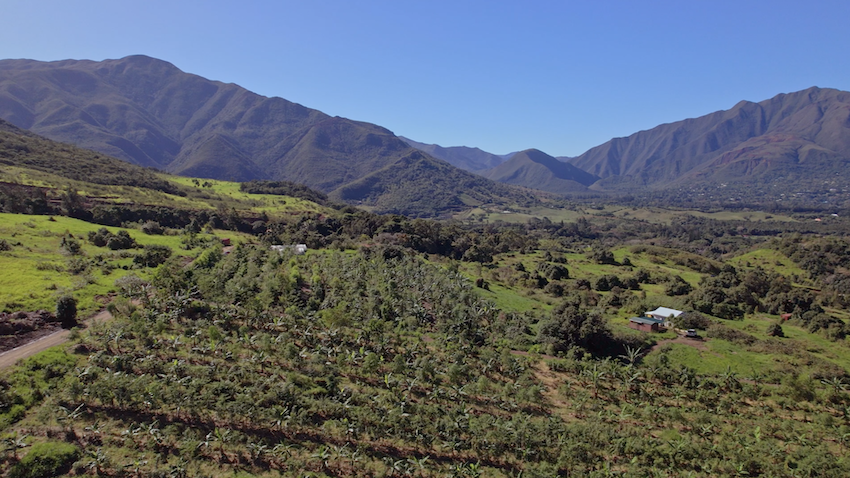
(665, 314)
(298, 249)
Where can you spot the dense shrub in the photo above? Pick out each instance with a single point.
(284, 188)
(602, 256)
(153, 255)
(775, 330)
(71, 246)
(258, 227)
(46, 460)
(631, 283)
(571, 326)
(555, 288)
(478, 253)
(607, 282)
(727, 311)
(677, 286)
(119, 241)
(553, 271)
(66, 311)
(152, 228)
(692, 320)
(643, 276)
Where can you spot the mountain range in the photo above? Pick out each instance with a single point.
(806, 133)
(791, 137)
(150, 113)
(473, 160)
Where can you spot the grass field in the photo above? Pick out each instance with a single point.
(767, 259)
(272, 205)
(36, 270)
(217, 195)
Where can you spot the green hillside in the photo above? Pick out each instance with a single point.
(379, 363)
(24, 149)
(40, 269)
(38, 173)
(412, 347)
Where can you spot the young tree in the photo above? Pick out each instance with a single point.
(775, 330)
(66, 311)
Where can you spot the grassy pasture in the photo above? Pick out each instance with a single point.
(35, 270)
(219, 195)
(767, 259)
(228, 191)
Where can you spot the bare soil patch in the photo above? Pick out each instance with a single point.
(697, 343)
(19, 328)
(26, 344)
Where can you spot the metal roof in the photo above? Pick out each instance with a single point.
(646, 320)
(664, 312)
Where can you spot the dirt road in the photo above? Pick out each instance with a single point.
(11, 357)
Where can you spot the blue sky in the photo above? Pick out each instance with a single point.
(560, 76)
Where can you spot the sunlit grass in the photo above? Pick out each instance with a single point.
(35, 270)
(219, 195)
(271, 204)
(767, 259)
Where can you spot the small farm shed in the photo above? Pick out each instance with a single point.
(664, 314)
(647, 324)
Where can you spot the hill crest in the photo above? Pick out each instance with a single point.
(535, 169)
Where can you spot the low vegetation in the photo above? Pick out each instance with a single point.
(410, 347)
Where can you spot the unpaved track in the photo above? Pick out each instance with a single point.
(11, 357)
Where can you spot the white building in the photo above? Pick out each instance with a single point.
(298, 249)
(665, 314)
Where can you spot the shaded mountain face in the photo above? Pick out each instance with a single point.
(806, 134)
(397, 188)
(148, 112)
(535, 169)
(469, 159)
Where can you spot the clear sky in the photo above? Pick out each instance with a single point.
(561, 76)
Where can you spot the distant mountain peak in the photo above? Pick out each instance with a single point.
(769, 139)
(535, 169)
